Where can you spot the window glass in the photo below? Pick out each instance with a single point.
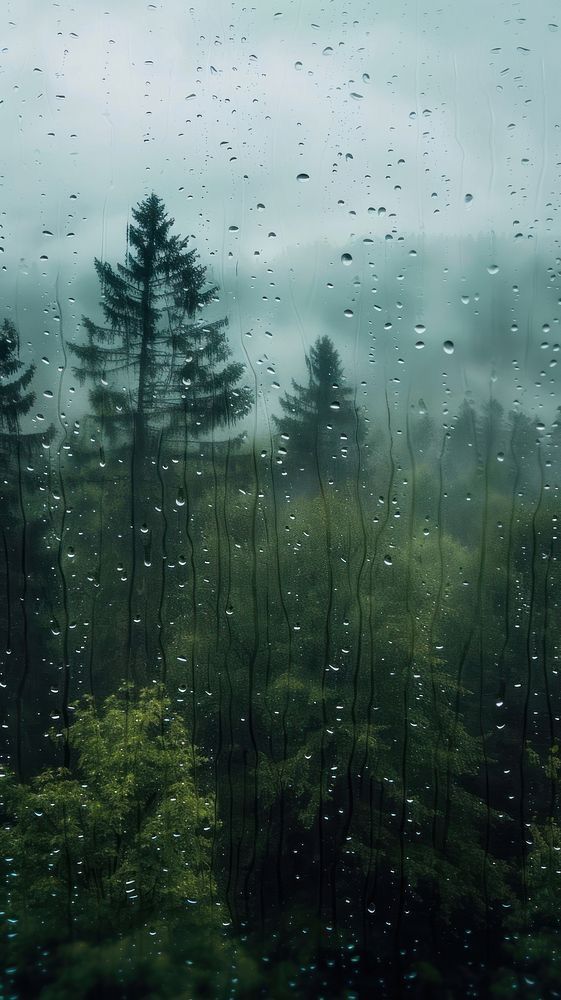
(279, 494)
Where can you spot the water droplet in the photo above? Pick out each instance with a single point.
(348, 313)
(346, 258)
(328, 51)
(302, 178)
(448, 346)
(419, 345)
(468, 198)
(387, 560)
(233, 229)
(493, 269)
(335, 405)
(229, 610)
(500, 456)
(420, 328)
(260, 207)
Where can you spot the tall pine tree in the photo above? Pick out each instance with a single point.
(319, 423)
(15, 398)
(16, 449)
(158, 371)
(154, 363)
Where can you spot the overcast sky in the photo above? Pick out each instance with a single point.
(417, 127)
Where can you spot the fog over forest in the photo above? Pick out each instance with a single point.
(425, 137)
(280, 439)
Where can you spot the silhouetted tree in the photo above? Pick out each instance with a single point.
(319, 421)
(16, 448)
(153, 363)
(156, 367)
(15, 399)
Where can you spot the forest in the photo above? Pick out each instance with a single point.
(280, 699)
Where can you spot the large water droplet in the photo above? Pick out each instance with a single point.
(493, 269)
(448, 346)
(302, 178)
(346, 258)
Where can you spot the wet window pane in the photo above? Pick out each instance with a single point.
(279, 494)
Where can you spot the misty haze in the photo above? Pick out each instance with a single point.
(280, 435)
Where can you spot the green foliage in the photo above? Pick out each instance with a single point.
(533, 927)
(119, 841)
(174, 368)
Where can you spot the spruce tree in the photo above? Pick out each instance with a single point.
(154, 363)
(159, 372)
(15, 398)
(16, 448)
(319, 422)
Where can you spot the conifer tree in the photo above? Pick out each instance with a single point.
(158, 371)
(16, 447)
(155, 363)
(319, 421)
(15, 399)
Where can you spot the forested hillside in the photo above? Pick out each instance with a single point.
(280, 698)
